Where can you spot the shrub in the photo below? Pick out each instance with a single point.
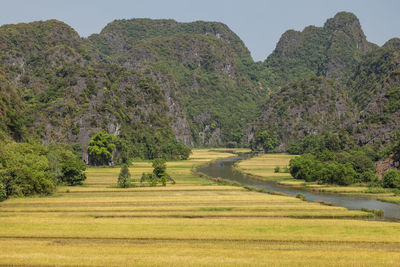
(378, 213)
(149, 178)
(3, 192)
(277, 169)
(301, 196)
(368, 177)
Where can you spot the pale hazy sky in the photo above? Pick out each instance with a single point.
(258, 23)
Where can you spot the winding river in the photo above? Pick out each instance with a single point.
(224, 168)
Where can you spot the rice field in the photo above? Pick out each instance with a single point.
(262, 166)
(193, 222)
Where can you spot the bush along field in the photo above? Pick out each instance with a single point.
(333, 163)
(193, 221)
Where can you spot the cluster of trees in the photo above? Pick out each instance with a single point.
(103, 146)
(315, 143)
(341, 168)
(330, 158)
(159, 174)
(28, 169)
(265, 140)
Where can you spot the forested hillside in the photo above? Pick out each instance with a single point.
(158, 86)
(155, 84)
(332, 79)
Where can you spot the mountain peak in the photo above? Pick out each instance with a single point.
(121, 35)
(38, 35)
(348, 23)
(394, 42)
(342, 20)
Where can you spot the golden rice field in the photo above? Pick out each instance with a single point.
(262, 166)
(191, 223)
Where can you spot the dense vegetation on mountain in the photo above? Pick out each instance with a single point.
(201, 65)
(332, 79)
(145, 88)
(63, 94)
(305, 107)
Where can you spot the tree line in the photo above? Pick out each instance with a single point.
(330, 159)
(29, 169)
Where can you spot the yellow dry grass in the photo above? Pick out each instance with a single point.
(391, 199)
(192, 222)
(263, 166)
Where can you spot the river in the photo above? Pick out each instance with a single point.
(224, 168)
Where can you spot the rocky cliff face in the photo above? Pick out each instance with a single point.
(359, 96)
(346, 45)
(380, 98)
(198, 65)
(138, 79)
(121, 35)
(68, 94)
(306, 107)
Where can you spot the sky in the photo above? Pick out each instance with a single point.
(258, 23)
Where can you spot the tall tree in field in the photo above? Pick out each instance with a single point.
(160, 171)
(124, 176)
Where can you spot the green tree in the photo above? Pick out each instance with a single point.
(395, 139)
(303, 167)
(309, 168)
(124, 176)
(331, 142)
(391, 179)
(266, 140)
(344, 174)
(24, 170)
(100, 148)
(160, 170)
(65, 165)
(72, 170)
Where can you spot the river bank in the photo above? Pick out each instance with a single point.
(227, 169)
(263, 166)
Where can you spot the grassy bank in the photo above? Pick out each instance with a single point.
(194, 222)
